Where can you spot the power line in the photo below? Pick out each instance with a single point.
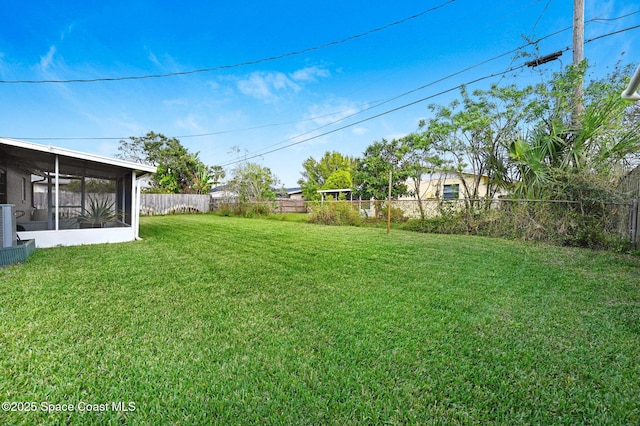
(376, 104)
(241, 64)
(610, 34)
(412, 103)
(256, 153)
(614, 19)
(374, 116)
(541, 15)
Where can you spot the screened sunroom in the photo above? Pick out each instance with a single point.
(65, 197)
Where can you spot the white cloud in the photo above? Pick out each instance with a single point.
(213, 85)
(271, 86)
(189, 123)
(47, 60)
(360, 131)
(66, 31)
(330, 112)
(322, 117)
(309, 74)
(154, 59)
(266, 86)
(164, 62)
(175, 102)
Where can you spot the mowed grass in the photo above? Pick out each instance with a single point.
(215, 320)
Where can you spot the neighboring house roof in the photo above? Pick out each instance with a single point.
(324, 191)
(291, 191)
(39, 157)
(222, 191)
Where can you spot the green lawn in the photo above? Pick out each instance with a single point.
(217, 320)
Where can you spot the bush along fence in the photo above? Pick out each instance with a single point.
(575, 223)
(280, 205)
(585, 223)
(162, 204)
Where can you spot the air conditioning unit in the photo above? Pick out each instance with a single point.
(8, 235)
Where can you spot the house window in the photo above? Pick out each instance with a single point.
(451, 192)
(24, 189)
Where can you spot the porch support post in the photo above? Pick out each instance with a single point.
(49, 201)
(57, 201)
(135, 205)
(83, 194)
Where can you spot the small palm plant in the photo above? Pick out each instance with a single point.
(100, 211)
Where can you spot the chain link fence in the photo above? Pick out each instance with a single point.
(587, 223)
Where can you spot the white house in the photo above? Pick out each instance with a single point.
(443, 187)
(53, 218)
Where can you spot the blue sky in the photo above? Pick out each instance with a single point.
(269, 104)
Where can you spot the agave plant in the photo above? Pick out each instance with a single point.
(99, 212)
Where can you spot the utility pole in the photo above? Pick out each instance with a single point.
(578, 56)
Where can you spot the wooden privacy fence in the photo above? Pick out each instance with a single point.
(158, 204)
(623, 218)
(629, 188)
(70, 203)
(152, 204)
(287, 205)
(280, 205)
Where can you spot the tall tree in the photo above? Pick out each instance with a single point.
(420, 160)
(178, 170)
(475, 134)
(340, 179)
(372, 173)
(560, 154)
(316, 172)
(253, 183)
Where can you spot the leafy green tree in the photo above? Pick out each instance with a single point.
(420, 161)
(95, 186)
(253, 183)
(372, 173)
(340, 179)
(475, 134)
(561, 149)
(178, 170)
(316, 172)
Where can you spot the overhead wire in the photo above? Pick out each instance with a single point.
(244, 158)
(375, 103)
(241, 64)
(369, 107)
(541, 15)
(261, 152)
(567, 48)
(513, 59)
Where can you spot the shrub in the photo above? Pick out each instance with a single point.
(334, 213)
(148, 211)
(556, 223)
(182, 209)
(225, 209)
(258, 209)
(397, 213)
